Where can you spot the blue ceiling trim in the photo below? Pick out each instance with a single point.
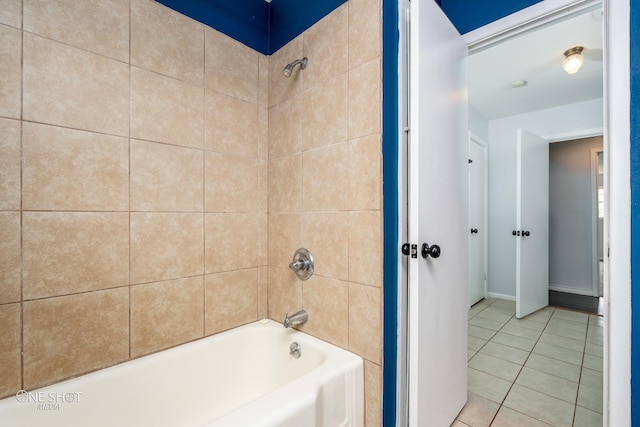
(290, 18)
(246, 21)
(467, 15)
(265, 27)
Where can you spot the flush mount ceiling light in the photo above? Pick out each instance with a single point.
(573, 59)
(519, 83)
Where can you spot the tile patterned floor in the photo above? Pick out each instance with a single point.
(543, 370)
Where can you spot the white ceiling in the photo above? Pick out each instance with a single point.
(537, 58)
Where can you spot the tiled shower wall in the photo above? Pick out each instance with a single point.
(133, 185)
(325, 184)
(134, 189)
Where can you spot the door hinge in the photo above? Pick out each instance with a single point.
(406, 129)
(470, 161)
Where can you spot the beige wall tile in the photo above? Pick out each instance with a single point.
(326, 44)
(324, 113)
(231, 183)
(327, 302)
(284, 238)
(10, 71)
(231, 299)
(101, 26)
(364, 99)
(280, 87)
(231, 67)
(10, 263)
(326, 236)
(263, 81)
(285, 184)
(263, 186)
(69, 252)
(285, 293)
(263, 241)
(365, 255)
(165, 314)
(325, 178)
(231, 241)
(9, 164)
(166, 42)
(71, 335)
(372, 394)
(164, 109)
(231, 125)
(166, 178)
(364, 321)
(263, 295)
(365, 183)
(66, 169)
(62, 84)
(11, 12)
(10, 350)
(365, 27)
(166, 246)
(285, 128)
(263, 133)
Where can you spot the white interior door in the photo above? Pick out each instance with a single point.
(477, 221)
(532, 223)
(438, 215)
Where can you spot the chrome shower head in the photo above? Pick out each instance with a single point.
(289, 68)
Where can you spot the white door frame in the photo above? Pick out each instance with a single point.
(475, 138)
(617, 228)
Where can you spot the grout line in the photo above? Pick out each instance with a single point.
(22, 384)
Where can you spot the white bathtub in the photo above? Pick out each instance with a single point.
(240, 378)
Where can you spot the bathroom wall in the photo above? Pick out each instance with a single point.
(325, 184)
(133, 185)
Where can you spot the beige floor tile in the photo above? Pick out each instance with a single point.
(487, 386)
(548, 384)
(587, 418)
(494, 366)
(495, 316)
(594, 349)
(591, 378)
(590, 398)
(486, 323)
(457, 423)
(527, 323)
(571, 315)
(596, 320)
(475, 344)
(470, 354)
(568, 324)
(482, 333)
(478, 412)
(504, 303)
(526, 344)
(540, 406)
(509, 418)
(592, 362)
(558, 353)
(504, 352)
(557, 329)
(564, 342)
(555, 367)
(521, 332)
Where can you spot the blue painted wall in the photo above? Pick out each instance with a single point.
(244, 20)
(467, 15)
(635, 210)
(265, 27)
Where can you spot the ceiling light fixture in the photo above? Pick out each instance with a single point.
(573, 59)
(519, 83)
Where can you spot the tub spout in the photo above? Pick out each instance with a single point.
(295, 319)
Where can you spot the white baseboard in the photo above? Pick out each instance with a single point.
(501, 296)
(570, 290)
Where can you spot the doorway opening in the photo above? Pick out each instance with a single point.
(520, 359)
